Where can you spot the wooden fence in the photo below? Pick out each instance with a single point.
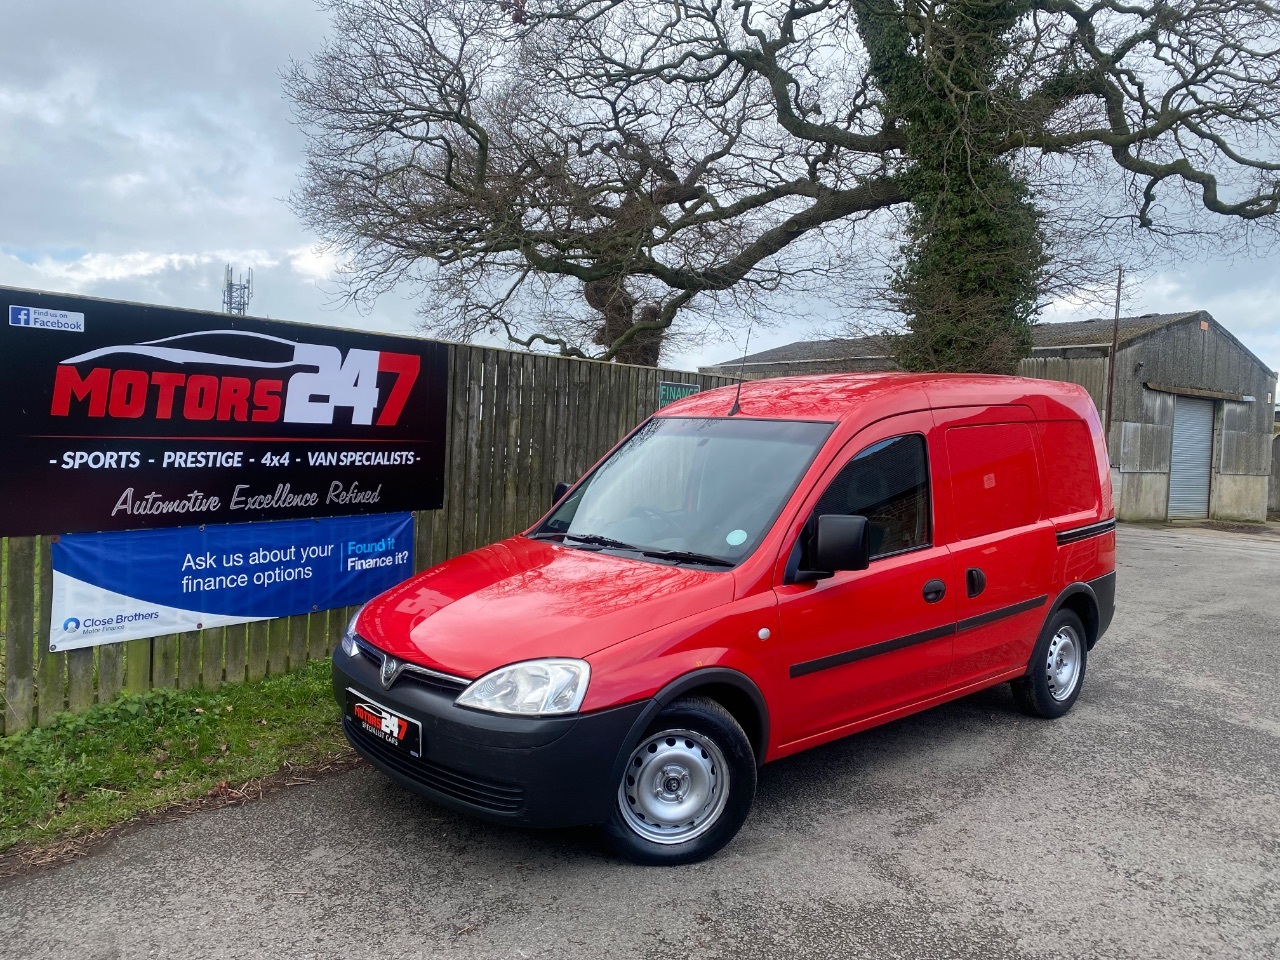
(518, 423)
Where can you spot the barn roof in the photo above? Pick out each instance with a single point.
(1071, 334)
(1080, 332)
(1044, 336)
(802, 350)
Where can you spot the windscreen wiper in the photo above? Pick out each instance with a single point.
(595, 540)
(675, 556)
(591, 539)
(686, 556)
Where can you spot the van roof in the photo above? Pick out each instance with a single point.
(838, 396)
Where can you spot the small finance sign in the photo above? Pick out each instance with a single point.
(671, 392)
(133, 584)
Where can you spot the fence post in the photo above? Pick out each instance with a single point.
(211, 658)
(51, 668)
(19, 638)
(137, 666)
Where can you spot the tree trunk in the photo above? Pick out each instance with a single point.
(975, 255)
(617, 310)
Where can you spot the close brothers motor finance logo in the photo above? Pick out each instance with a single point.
(70, 625)
(278, 381)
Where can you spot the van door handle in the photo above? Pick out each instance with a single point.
(975, 581)
(934, 591)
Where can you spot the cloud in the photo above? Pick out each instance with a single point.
(150, 125)
(288, 284)
(145, 146)
(314, 262)
(92, 269)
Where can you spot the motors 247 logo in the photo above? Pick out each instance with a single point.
(261, 379)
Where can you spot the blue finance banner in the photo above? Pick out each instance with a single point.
(110, 587)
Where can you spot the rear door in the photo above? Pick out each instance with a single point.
(1002, 548)
(862, 643)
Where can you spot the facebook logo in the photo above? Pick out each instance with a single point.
(46, 319)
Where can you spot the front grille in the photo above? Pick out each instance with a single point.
(492, 795)
(431, 679)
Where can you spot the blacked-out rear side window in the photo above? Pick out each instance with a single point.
(888, 483)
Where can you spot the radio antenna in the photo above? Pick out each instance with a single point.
(737, 395)
(236, 294)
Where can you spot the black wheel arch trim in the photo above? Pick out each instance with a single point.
(686, 683)
(1090, 589)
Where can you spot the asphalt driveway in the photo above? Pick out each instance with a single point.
(1145, 824)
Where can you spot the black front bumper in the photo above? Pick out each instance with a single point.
(530, 771)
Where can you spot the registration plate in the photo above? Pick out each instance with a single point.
(393, 729)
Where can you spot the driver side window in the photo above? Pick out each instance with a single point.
(888, 483)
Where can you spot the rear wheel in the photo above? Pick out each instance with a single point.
(687, 786)
(1056, 673)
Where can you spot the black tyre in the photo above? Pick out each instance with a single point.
(687, 787)
(1056, 672)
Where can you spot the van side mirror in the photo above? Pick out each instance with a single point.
(558, 493)
(843, 543)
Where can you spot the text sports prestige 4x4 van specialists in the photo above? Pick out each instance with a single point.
(741, 578)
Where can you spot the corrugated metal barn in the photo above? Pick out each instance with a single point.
(1191, 418)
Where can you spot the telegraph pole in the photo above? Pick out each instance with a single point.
(1111, 359)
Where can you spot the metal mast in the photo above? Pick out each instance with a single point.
(236, 294)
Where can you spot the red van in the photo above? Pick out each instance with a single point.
(741, 578)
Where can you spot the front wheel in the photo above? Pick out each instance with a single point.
(1056, 672)
(687, 786)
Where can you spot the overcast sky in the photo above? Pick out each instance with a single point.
(144, 145)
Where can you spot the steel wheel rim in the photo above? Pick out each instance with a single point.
(675, 787)
(1062, 665)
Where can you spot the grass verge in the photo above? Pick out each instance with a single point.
(88, 772)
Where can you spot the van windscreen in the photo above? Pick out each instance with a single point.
(709, 486)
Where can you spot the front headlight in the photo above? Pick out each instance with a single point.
(349, 646)
(535, 688)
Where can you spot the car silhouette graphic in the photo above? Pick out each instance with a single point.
(232, 348)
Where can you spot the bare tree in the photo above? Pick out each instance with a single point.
(602, 175)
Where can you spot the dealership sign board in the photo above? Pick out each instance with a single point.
(117, 416)
(109, 587)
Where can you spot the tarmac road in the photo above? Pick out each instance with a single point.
(1144, 824)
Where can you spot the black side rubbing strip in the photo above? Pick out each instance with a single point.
(982, 619)
(1084, 533)
(924, 636)
(875, 649)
